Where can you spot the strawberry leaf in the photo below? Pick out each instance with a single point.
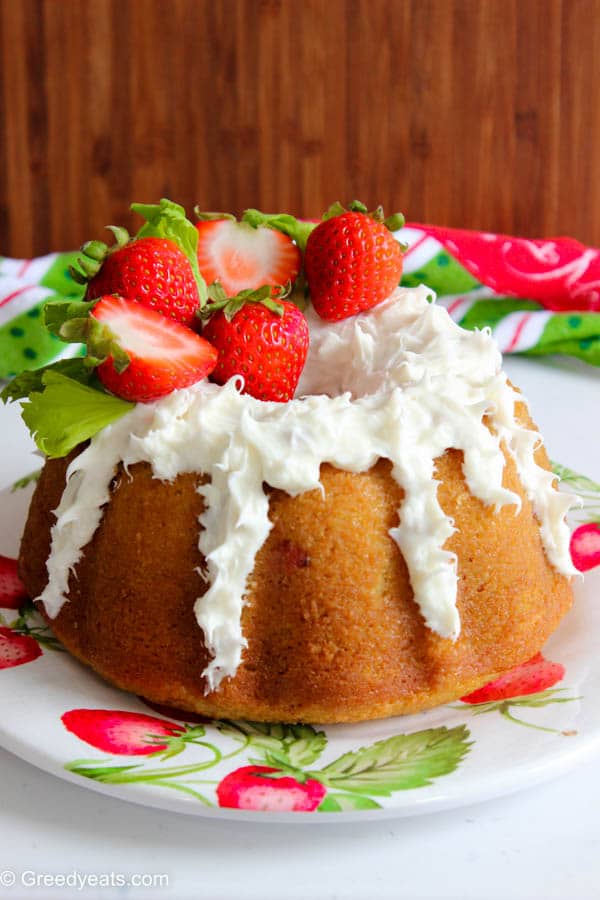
(295, 229)
(65, 413)
(25, 481)
(346, 803)
(168, 220)
(30, 623)
(94, 254)
(28, 382)
(392, 223)
(398, 763)
(89, 768)
(338, 209)
(539, 699)
(230, 306)
(71, 322)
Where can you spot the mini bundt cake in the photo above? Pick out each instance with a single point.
(387, 541)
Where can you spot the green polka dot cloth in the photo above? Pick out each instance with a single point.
(25, 286)
(537, 297)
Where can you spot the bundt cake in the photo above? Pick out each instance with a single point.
(388, 540)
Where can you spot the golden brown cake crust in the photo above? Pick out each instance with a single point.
(333, 631)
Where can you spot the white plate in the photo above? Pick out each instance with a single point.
(440, 759)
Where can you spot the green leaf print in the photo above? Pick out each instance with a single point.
(289, 747)
(398, 763)
(346, 803)
(579, 482)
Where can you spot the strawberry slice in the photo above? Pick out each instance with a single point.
(240, 256)
(17, 649)
(12, 591)
(163, 355)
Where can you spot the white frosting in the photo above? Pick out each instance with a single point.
(402, 382)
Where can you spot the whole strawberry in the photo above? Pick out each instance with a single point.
(155, 273)
(352, 261)
(157, 268)
(264, 341)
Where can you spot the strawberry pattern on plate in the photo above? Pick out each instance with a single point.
(437, 759)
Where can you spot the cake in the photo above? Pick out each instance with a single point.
(386, 541)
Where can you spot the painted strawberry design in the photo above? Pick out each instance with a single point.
(263, 340)
(585, 546)
(352, 261)
(535, 675)
(12, 590)
(17, 649)
(240, 256)
(128, 733)
(280, 776)
(562, 274)
(265, 788)
(153, 355)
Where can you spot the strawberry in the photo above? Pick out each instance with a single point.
(121, 732)
(152, 271)
(240, 256)
(163, 355)
(537, 674)
(12, 590)
(264, 341)
(264, 788)
(585, 547)
(17, 649)
(352, 262)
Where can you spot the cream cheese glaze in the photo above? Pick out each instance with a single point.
(401, 381)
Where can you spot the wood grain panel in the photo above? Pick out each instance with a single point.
(480, 113)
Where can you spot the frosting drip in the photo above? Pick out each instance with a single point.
(401, 382)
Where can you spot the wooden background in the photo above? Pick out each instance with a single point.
(481, 113)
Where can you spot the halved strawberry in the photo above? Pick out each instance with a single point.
(163, 355)
(239, 256)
